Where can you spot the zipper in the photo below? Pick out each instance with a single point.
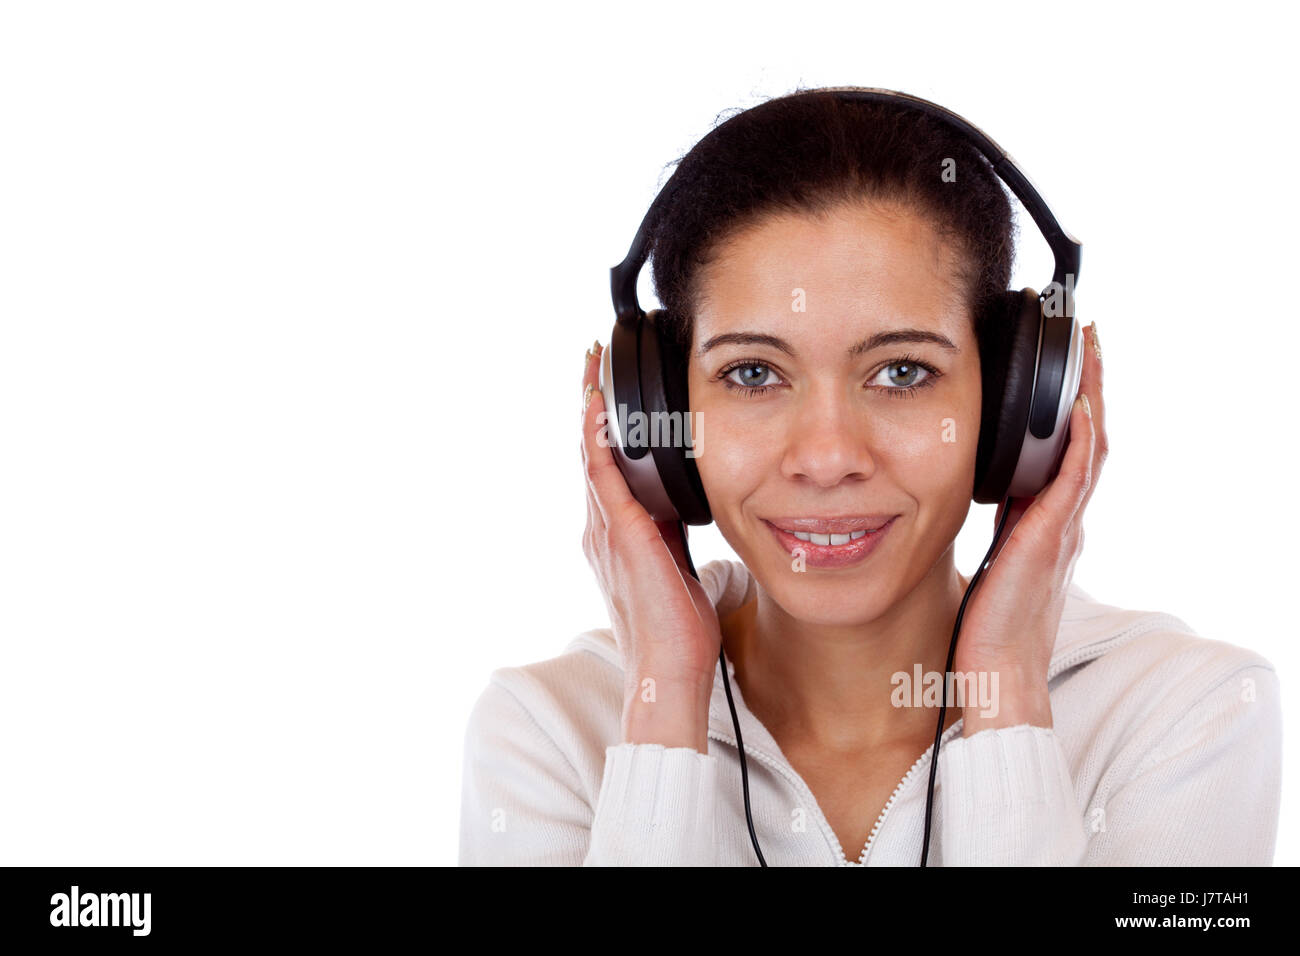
(950, 732)
(810, 798)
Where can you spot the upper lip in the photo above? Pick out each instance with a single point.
(832, 525)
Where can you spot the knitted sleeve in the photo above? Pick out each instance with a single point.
(657, 807)
(1208, 792)
(1007, 800)
(523, 802)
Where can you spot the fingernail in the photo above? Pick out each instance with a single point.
(586, 395)
(1096, 346)
(1082, 400)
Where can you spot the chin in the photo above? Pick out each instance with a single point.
(844, 602)
(843, 597)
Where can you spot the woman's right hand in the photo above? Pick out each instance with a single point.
(663, 620)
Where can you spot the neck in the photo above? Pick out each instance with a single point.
(829, 687)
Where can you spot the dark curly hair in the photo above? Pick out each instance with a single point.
(808, 151)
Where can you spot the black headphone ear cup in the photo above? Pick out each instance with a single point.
(665, 389)
(1008, 361)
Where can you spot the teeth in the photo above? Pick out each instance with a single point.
(829, 539)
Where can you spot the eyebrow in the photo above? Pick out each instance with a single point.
(879, 340)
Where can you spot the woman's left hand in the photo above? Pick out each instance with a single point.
(1011, 620)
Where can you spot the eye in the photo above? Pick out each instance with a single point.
(750, 378)
(904, 377)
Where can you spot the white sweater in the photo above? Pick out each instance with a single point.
(1165, 750)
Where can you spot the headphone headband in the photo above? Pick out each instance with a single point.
(1066, 250)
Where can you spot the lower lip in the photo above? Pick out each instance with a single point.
(832, 555)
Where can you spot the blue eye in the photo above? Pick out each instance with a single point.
(754, 377)
(906, 376)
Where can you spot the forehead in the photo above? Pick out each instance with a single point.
(863, 264)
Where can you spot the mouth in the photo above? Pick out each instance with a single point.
(830, 542)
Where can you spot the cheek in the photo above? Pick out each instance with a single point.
(732, 459)
(933, 449)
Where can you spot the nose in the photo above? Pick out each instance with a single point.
(829, 441)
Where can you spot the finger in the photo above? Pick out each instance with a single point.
(1091, 385)
(595, 520)
(591, 368)
(590, 375)
(1094, 347)
(606, 481)
(1066, 493)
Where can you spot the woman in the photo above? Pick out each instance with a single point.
(1103, 736)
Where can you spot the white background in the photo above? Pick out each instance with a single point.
(293, 301)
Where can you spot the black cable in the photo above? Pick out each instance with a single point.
(952, 651)
(735, 721)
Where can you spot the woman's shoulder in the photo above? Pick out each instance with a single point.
(574, 698)
(1138, 640)
(1129, 684)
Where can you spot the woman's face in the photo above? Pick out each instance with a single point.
(815, 421)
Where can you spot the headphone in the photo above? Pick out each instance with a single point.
(1030, 376)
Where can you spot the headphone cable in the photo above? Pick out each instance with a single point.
(735, 721)
(952, 651)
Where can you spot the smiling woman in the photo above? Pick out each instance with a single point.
(833, 275)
